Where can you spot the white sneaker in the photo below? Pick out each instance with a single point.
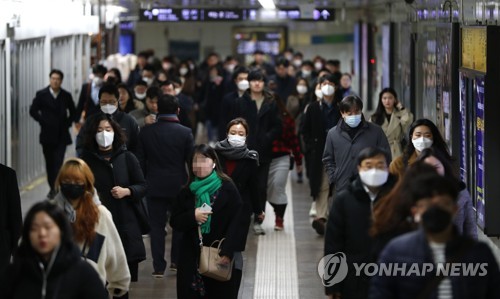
(312, 211)
(258, 230)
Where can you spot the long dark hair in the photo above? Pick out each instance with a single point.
(89, 142)
(392, 211)
(438, 142)
(449, 171)
(379, 115)
(26, 249)
(209, 152)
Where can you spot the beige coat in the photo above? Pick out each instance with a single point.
(396, 129)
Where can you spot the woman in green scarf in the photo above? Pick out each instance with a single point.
(210, 186)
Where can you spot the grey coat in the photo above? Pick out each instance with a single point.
(465, 220)
(341, 152)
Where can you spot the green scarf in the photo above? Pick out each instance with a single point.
(203, 189)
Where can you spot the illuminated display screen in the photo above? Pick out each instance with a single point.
(206, 14)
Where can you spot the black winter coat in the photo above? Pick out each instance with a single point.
(122, 170)
(11, 219)
(314, 130)
(347, 231)
(264, 125)
(54, 115)
(69, 278)
(85, 103)
(244, 177)
(224, 224)
(164, 149)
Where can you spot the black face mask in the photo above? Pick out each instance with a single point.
(72, 191)
(436, 219)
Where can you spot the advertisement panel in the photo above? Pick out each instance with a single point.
(480, 151)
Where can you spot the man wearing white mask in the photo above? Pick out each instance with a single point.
(319, 117)
(351, 216)
(148, 74)
(140, 89)
(108, 101)
(240, 76)
(346, 140)
(88, 102)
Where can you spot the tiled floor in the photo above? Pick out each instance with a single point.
(284, 277)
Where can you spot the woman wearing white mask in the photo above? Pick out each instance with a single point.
(240, 163)
(423, 134)
(319, 117)
(298, 100)
(393, 118)
(119, 182)
(188, 79)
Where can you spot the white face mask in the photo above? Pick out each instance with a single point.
(140, 96)
(97, 81)
(374, 177)
(108, 108)
(318, 66)
(183, 71)
(422, 143)
(301, 89)
(306, 73)
(243, 85)
(297, 62)
(353, 120)
(236, 140)
(104, 138)
(149, 81)
(230, 67)
(318, 93)
(178, 91)
(327, 90)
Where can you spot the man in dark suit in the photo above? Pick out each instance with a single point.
(163, 150)
(88, 103)
(54, 109)
(11, 219)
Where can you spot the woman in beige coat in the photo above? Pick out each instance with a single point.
(393, 118)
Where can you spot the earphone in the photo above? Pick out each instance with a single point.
(213, 166)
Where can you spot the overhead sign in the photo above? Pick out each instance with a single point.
(231, 14)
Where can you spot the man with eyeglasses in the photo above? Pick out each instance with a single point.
(108, 101)
(351, 217)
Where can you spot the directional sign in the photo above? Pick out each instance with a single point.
(231, 14)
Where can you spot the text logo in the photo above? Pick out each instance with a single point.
(332, 268)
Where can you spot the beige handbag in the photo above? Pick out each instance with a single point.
(209, 261)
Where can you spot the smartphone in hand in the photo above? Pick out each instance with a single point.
(206, 208)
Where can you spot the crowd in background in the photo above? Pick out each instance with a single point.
(383, 187)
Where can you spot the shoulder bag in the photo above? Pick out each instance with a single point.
(209, 261)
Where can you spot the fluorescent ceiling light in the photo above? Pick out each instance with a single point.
(267, 4)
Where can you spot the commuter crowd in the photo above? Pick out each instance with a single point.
(384, 187)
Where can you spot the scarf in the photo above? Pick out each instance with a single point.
(203, 189)
(68, 209)
(235, 153)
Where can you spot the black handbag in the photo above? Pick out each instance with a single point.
(142, 216)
